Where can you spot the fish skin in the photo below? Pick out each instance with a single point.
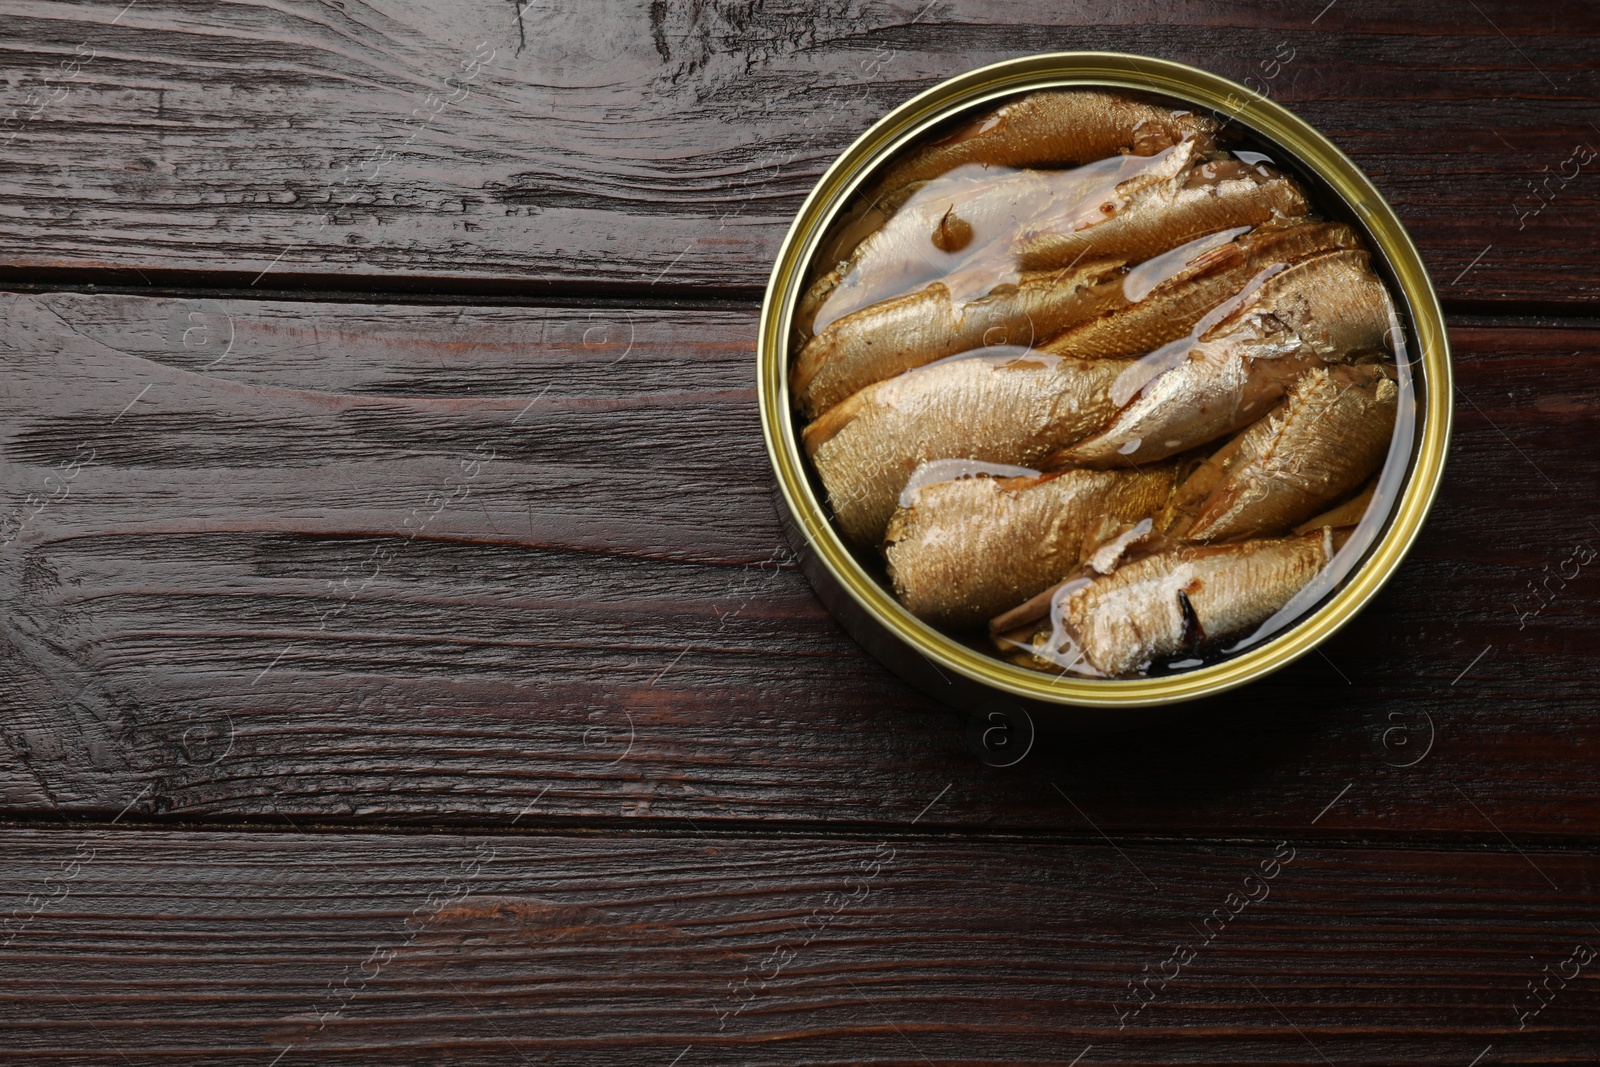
(1012, 408)
(1332, 433)
(1214, 392)
(1322, 308)
(1161, 216)
(1173, 307)
(863, 220)
(913, 248)
(900, 256)
(839, 247)
(822, 287)
(897, 335)
(1124, 621)
(967, 549)
(1059, 127)
(1191, 496)
(1347, 513)
(1332, 301)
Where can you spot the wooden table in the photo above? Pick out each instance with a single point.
(401, 662)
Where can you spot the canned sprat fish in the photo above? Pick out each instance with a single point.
(1099, 382)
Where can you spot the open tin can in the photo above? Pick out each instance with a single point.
(957, 668)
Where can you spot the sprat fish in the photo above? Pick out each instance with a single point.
(1331, 434)
(1154, 217)
(896, 335)
(1182, 600)
(961, 551)
(1012, 408)
(1168, 295)
(1054, 127)
(961, 229)
(1323, 308)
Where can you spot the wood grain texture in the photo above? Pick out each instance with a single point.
(226, 614)
(505, 582)
(666, 146)
(165, 948)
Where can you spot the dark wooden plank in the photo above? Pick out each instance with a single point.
(167, 948)
(20, 790)
(225, 615)
(667, 146)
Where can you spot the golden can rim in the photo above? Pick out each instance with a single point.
(907, 123)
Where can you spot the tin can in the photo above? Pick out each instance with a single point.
(853, 586)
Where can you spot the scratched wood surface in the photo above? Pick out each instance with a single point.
(400, 660)
(175, 948)
(221, 597)
(668, 144)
